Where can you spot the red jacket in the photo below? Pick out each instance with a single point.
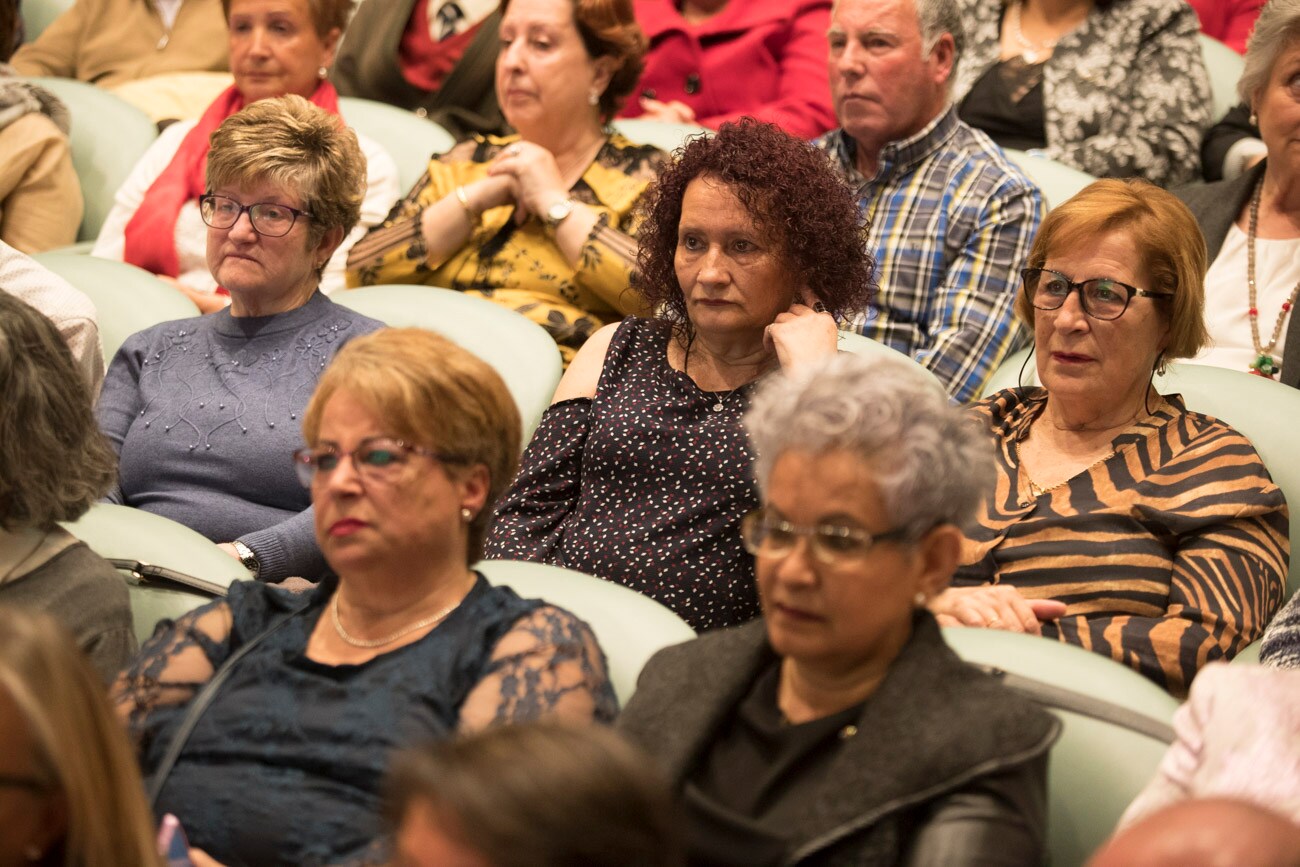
(762, 58)
(1229, 21)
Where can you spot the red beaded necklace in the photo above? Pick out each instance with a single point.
(1264, 363)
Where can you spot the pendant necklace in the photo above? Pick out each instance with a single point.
(1032, 52)
(1264, 364)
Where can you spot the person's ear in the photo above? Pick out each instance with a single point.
(329, 242)
(943, 55)
(474, 483)
(605, 68)
(330, 42)
(939, 552)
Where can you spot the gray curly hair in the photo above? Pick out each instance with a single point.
(1277, 26)
(932, 462)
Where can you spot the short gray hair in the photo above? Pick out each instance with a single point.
(932, 462)
(1277, 26)
(938, 17)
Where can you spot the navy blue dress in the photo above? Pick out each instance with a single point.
(286, 766)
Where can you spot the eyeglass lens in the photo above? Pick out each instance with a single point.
(268, 218)
(375, 461)
(1102, 298)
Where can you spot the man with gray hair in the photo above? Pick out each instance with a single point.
(950, 219)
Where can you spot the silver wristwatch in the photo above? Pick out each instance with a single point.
(558, 212)
(247, 557)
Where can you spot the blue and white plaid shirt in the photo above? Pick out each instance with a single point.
(950, 221)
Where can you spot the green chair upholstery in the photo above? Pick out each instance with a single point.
(1225, 67)
(108, 137)
(858, 344)
(1057, 180)
(1097, 767)
(136, 540)
(629, 626)
(39, 14)
(1008, 373)
(127, 299)
(662, 134)
(409, 139)
(521, 351)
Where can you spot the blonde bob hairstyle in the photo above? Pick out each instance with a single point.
(303, 150)
(430, 392)
(1166, 240)
(81, 747)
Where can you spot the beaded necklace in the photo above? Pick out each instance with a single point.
(1032, 52)
(1264, 364)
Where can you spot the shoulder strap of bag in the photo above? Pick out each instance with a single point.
(1053, 696)
(199, 704)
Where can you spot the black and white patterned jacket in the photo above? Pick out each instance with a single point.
(1125, 94)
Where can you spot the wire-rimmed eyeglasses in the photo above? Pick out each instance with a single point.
(377, 460)
(271, 219)
(1101, 297)
(768, 535)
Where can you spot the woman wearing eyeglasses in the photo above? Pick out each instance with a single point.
(202, 411)
(410, 439)
(1120, 521)
(840, 729)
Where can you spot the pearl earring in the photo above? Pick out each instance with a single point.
(322, 72)
(466, 515)
(920, 600)
(593, 98)
(1254, 119)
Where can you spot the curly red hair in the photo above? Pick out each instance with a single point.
(796, 199)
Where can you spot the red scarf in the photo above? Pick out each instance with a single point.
(151, 233)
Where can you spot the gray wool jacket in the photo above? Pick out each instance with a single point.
(1215, 207)
(949, 766)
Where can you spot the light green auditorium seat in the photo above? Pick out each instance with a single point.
(127, 299)
(629, 626)
(858, 344)
(39, 14)
(1057, 180)
(147, 549)
(108, 137)
(1100, 763)
(662, 134)
(1225, 67)
(521, 351)
(409, 139)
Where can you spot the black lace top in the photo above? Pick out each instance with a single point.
(286, 765)
(644, 484)
(1007, 103)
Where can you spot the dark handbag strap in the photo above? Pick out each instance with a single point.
(1053, 696)
(199, 704)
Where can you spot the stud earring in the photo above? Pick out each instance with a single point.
(466, 515)
(593, 98)
(920, 600)
(322, 72)
(1254, 119)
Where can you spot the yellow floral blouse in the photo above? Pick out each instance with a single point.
(520, 266)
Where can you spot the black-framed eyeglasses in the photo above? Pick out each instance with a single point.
(32, 784)
(268, 218)
(377, 460)
(767, 535)
(1101, 297)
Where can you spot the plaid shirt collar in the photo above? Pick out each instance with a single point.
(896, 157)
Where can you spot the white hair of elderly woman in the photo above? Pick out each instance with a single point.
(932, 462)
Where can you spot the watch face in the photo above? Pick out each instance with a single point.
(558, 211)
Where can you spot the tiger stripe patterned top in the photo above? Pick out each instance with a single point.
(1169, 554)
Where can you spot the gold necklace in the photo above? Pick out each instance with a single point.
(380, 642)
(1264, 363)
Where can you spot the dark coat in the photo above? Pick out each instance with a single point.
(1216, 207)
(949, 767)
(367, 66)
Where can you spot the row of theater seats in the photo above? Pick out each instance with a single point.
(1116, 722)
(102, 162)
